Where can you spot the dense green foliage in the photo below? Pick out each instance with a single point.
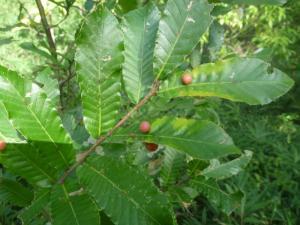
(106, 58)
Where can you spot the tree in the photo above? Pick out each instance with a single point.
(126, 65)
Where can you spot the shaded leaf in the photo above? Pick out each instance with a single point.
(221, 171)
(40, 201)
(25, 160)
(30, 110)
(14, 193)
(219, 198)
(71, 206)
(173, 166)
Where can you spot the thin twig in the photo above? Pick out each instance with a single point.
(86, 153)
(52, 46)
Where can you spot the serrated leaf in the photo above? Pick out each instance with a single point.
(182, 24)
(174, 165)
(140, 28)
(221, 171)
(25, 160)
(125, 194)
(40, 201)
(238, 79)
(72, 206)
(99, 58)
(200, 139)
(30, 110)
(15, 193)
(219, 198)
(7, 132)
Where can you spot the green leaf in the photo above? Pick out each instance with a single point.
(173, 166)
(140, 29)
(238, 79)
(50, 86)
(71, 206)
(40, 201)
(219, 198)
(14, 193)
(182, 24)
(253, 2)
(25, 160)
(225, 170)
(7, 132)
(30, 110)
(200, 139)
(99, 58)
(127, 195)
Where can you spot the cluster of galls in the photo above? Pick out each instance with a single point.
(145, 126)
(2, 145)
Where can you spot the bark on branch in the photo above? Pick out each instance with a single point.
(50, 40)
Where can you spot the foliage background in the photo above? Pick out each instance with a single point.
(271, 181)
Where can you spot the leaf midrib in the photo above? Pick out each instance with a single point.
(215, 83)
(70, 204)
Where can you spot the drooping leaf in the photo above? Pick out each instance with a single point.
(238, 79)
(200, 139)
(7, 132)
(14, 193)
(30, 110)
(182, 24)
(140, 29)
(40, 201)
(173, 166)
(70, 205)
(252, 2)
(125, 194)
(221, 171)
(99, 58)
(25, 160)
(219, 198)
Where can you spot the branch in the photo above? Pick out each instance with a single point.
(86, 153)
(47, 29)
